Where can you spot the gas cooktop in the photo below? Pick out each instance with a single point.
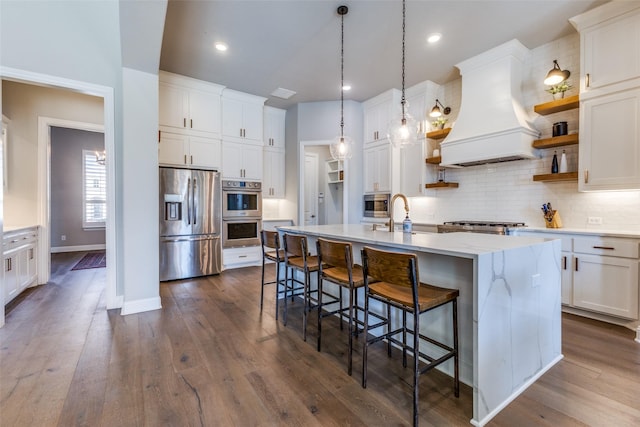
(486, 227)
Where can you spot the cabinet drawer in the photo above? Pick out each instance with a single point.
(15, 239)
(610, 246)
(241, 256)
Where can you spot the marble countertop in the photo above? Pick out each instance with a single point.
(9, 228)
(584, 231)
(466, 245)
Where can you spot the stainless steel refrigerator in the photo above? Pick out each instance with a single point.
(190, 223)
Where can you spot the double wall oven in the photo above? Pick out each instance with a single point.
(241, 213)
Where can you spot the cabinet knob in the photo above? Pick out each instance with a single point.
(587, 80)
(586, 176)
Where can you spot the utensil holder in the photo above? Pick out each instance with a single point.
(553, 220)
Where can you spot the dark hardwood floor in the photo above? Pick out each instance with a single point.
(210, 358)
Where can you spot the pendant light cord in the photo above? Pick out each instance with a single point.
(342, 75)
(402, 101)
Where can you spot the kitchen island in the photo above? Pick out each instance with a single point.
(509, 311)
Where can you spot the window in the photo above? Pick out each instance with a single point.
(94, 195)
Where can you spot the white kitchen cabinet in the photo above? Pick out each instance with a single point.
(378, 112)
(241, 257)
(191, 151)
(242, 117)
(377, 168)
(19, 261)
(413, 169)
(609, 155)
(189, 106)
(242, 161)
(599, 273)
(609, 47)
(274, 127)
(273, 174)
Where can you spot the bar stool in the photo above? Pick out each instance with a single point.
(336, 266)
(399, 286)
(297, 258)
(271, 251)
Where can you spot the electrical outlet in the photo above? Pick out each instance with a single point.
(63, 237)
(535, 280)
(594, 220)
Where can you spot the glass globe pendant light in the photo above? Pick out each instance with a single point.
(342, 146)
(403, 130)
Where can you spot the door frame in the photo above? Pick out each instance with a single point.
(301, 165)
(113, 300)
(316, 159)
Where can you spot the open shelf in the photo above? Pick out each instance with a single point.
(556, 141)
(556, 106)
(434, 160)
(554, 177)
(442, 185)
(438, 134)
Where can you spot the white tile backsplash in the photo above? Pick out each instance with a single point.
(506, 191)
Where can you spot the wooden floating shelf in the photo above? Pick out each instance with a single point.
(434, 160)
(558, 105)
(438, 134)
(556, 141)
(553, 177)
(442, 185)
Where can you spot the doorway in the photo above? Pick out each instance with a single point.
(310, 189)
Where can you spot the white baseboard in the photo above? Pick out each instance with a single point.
(139, 306)
(79, 248)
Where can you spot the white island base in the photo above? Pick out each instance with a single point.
(509, 312)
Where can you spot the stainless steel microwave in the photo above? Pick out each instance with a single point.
(376, 205)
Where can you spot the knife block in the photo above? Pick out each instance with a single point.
(553, 220)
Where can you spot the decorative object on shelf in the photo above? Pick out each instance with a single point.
(563, 162)
(441, 174)
(551, 216)
(406, 225)
(559, 128)
(436, 153)
(439, 123)
(558, 90)
(554, 163)
(342, 146)
(556, 76)
(436, 112)
(404, 129)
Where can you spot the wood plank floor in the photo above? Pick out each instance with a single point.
(210, 358)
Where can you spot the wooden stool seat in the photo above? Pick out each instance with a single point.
(274, 255)
(340, 275)
(428, 296)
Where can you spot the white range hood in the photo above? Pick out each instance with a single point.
(492, 125)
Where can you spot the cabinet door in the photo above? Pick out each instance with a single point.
(173, 149)
(413, 169)
(205, 152)
(232, 165)
(274, 127)
(371, 123)
(252, 162)
(22, 259)
(32, 263)
(370, 176)
(252, 119)
(606, 285)
(172, 108)
(609, 154)
(204, 111)
(232, 118)
(10, 277)
(611, 53)
(567, 278)
(383, 168)
(273, 174)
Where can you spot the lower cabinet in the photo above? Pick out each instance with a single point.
(599, 273)
(241, 257)
(19, 261)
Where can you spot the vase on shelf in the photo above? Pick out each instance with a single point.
(558, 95)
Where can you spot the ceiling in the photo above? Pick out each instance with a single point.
(295, 44)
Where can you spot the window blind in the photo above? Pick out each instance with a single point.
(94, 191)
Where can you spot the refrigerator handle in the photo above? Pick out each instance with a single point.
(193, 195)
(188, 202)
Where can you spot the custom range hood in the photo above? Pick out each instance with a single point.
(492, 125)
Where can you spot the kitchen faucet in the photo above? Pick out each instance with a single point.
(406, 208)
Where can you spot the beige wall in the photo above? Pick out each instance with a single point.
(23, 104)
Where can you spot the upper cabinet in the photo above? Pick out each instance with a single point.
(274, 127)
(242, 117)
(609, 47)
(189, 106)
(378, 112)
(609, 155)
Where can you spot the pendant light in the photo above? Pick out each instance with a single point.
(342, 146)
(404, 129)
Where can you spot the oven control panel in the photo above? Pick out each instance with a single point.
(248, 185)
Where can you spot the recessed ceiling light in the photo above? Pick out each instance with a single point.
(346, 87)
(434, 37)
(221, 46)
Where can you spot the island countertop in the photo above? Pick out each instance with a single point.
(464, 245)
